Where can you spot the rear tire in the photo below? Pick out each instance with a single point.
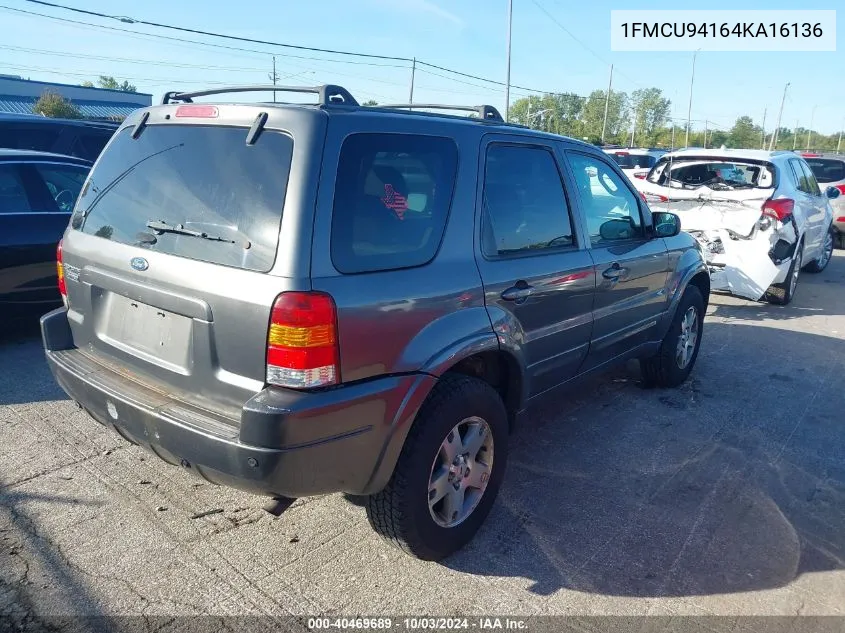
(783, 293)
(818, 265)
(679, 350)
(434, 504)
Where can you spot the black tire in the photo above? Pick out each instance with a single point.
(782, 294)
(819, 264)
(664, 369)
(400, 513)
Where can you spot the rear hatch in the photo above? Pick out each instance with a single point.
(170, 262)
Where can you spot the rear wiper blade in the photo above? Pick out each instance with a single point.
(160, 226)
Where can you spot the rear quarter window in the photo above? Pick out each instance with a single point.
(391, 201)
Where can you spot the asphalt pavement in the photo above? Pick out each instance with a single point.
(725, 496)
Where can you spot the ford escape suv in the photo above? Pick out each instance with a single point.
(303, 299)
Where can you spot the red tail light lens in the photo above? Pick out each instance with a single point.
(60, 269)
(779, 209)
(841, 189)
(302, 349)
(640, 176)
(197, 111)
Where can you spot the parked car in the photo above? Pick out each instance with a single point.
(271, 296)
(71, 137)
(760, 216)
(635, 163)
(37, 194)
(829, 170)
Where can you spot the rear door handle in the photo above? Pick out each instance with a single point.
(614, 272)
(520, 292)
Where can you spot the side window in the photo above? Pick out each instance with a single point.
(40, 137)
(610, 208)
(391, 200)
(64, 183)
(89, 146)
(812, 183)
(800, 178)
(13, 198)
(525, 208)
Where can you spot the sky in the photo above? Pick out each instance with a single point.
(568, 54)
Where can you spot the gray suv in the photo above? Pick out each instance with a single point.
(303, 299)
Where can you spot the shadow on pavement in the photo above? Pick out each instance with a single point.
(29, 379)
(734, 482)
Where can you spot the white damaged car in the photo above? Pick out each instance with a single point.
(759, 216)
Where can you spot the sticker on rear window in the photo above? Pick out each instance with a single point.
(394, 201)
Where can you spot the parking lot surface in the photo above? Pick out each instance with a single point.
(726, 496)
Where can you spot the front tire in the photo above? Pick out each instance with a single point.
(448, 473)
(679, 350)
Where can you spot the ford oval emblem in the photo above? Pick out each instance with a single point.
(139, 263)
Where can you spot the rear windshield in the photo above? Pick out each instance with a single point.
(693, 173)
(827, 170)
(176, 181)
(391, 200)
(633, 161)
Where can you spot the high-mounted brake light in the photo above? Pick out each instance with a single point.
(302, 347)
(779, 209)
(60, 270)
(197, 111)
(805, 155)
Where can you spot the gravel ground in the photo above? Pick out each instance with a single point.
(726, 497)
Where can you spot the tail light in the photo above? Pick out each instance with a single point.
(60, 270)
(302, 349)
(779, 209)
(841, 189)
(640, 176)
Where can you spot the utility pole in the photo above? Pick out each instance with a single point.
(274, 77)
(413, 71)
(705, 133)
(810, 130)
(689, 108)
(636, 114)
(773, 143)
(839, 142)
(606, 104)
(795, 136)
(673, 136)
(508, 76)
(763, 133)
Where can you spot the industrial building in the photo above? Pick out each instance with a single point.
(18, 95)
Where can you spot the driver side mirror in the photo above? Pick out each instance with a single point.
(832, 192)
(666, 224)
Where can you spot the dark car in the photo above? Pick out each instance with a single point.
(37, 194)
(304, 299)
(70, 137)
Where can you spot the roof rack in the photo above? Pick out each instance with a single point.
(329, 94)
(485, 112)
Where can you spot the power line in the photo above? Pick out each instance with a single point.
(583, 45)
(128, 20)
(187, 42)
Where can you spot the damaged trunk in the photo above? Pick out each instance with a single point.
(747, 238)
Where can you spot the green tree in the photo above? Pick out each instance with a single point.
(370, 102)
(111, 83)
(558, 113)
(54, 105)
(744, 134)
(592, 116)
(87, 84)
(650, 110)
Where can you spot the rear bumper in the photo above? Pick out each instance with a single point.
(286, 443)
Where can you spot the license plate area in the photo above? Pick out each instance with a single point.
(147, 332)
